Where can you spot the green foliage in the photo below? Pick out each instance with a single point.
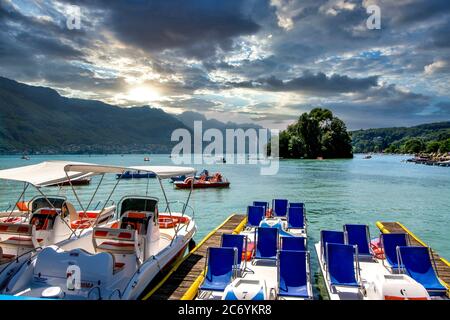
(316, 134)
(444, 146)
(433, 146)
(393, 140)
(413, 145)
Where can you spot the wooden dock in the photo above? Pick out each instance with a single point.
(442, 265)
(182, 281)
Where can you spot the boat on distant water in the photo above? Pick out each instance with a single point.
(146, 159)
(25, 157)
(216, 181)
(74, 182)
(367, 157)
(266, 260)
(115, 261)
(135, 175)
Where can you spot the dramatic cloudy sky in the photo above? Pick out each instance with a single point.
(265, 61)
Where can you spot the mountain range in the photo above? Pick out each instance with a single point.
(39, 120)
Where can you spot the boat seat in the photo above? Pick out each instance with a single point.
(19, 235)
(43, 218)
(135, 220)
(19, 242)
(96, 269)
(5, 258)
(116, 241)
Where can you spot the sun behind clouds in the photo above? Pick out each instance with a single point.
(143, 94)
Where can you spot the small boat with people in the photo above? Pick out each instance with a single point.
(354, 267)
(203, 182)
(115, 260)
(267, 260)
(204, 173)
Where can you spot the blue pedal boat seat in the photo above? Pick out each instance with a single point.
(266, 243)
(358, 234)
(254, 216)
(296, 218)
(293, 243)
(390, 242)
(296, 204)
(220, 268)
(341, 261)
(279, 207)
(330, 236)
(237, 241)
(264, 204)
(293, 274)
(416, 261)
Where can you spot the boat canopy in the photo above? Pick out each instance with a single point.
(42, 174)
(163, 172)
(53, 172)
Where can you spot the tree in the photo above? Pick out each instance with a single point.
(433, 146)
(413, 145)
(316, 134)
(310, 134)
(445, 146)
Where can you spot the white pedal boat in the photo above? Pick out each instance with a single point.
(114, 261)
(44, 220)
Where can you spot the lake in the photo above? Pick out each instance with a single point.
(335, 192)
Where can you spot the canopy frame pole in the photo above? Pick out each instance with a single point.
(167, 206)
(146, 189)
(165, 196)
(95, 192)
(189, 196)
(74, 192)
(51, 204)
(106, 202)
(186, 204)
(25, 187)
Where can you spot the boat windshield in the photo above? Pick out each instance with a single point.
(138, 204)
(43, 202)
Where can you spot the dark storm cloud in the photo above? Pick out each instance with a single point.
(384, 106)
(326, 54)
(313, 83)
(413, 12)
(199, 27)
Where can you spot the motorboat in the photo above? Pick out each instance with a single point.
(116, 260)
(216, 181)
(354, 267)
(75, 182)
(135, 174)
(44, 220)
(265, 261)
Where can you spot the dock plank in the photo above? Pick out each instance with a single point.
(442, 266)
(176, 285)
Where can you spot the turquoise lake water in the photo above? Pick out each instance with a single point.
(335, 192)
